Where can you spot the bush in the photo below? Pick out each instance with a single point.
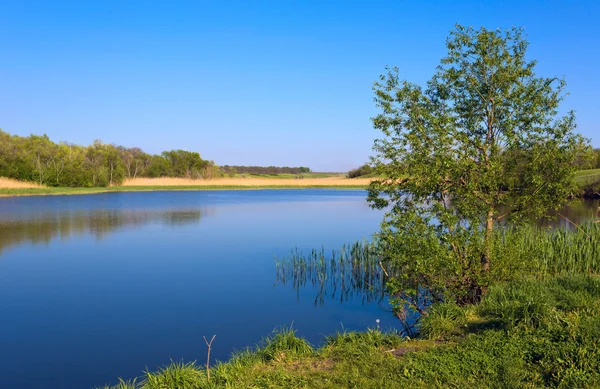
(364, 170)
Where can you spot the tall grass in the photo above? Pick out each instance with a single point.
(544, 251)
(356, 271)
(9, 183)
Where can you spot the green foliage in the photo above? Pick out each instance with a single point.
(543, 251)
(443, 320)
(37, 158)
(283, 344)
(177, 375)
(364, 170)
(533, 304)
(480, 145)
(268, 170)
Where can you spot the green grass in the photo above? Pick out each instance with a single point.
(81, 191)
(528, 333)
(589, 183)
(585, 175)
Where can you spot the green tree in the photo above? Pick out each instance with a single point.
(39, 149)
(481, 144)
(115, 165)
(95, 163)
(364, 170)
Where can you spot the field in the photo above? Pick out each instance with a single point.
(587, 176)
(255, 181)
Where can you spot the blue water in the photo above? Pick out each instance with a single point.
(102, 286)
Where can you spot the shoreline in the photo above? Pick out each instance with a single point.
(61, 191)
(50, 191)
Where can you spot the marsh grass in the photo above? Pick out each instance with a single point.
(356, 271)
(9, 183)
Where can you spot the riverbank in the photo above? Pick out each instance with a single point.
(589, 181)
(17, 188)
(535, 333)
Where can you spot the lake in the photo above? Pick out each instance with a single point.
(100, 286)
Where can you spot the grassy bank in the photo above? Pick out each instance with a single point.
(587, 179)
(589, 182)
(525, 334)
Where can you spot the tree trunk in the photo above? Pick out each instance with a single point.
(487, 242)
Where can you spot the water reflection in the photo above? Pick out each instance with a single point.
(582, 211)
(43, 228)
(352, 272)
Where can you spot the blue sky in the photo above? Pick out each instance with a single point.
(255, 82)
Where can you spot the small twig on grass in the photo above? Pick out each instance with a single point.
(209, 345)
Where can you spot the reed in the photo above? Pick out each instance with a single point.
(357, 270)
(545, 251)
(354, 270)
(9, 183)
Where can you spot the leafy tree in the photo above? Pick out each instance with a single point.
(37, 158)
(364, 170)
(480, 145)
(39, 150)
(585, 157)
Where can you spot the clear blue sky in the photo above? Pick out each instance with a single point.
(255, 82)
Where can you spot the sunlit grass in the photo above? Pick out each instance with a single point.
(9, 183)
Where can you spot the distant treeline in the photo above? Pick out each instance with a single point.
(37, 158)
(232, 170)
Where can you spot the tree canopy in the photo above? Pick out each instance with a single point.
(37, 158)
(481, 144)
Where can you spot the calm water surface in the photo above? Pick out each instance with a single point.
(101, 286)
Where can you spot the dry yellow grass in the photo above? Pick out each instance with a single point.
(250, 182)
(9, 183)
